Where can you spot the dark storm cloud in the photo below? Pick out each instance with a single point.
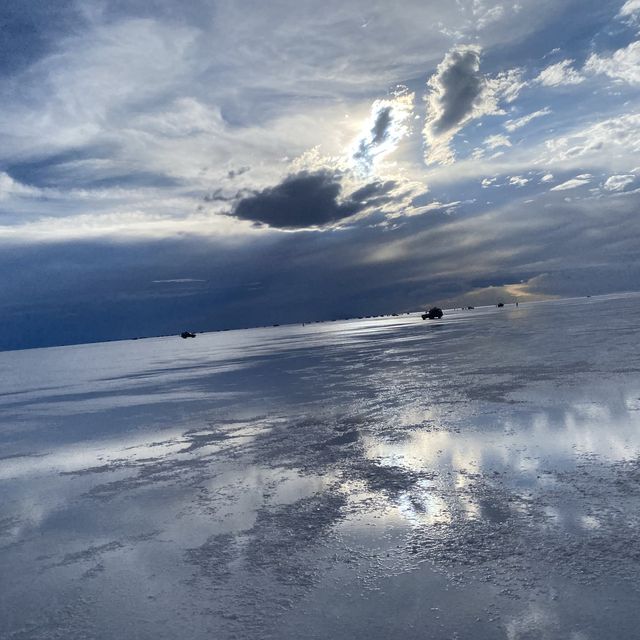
(307, 199)
(373, 192)
(457, 84)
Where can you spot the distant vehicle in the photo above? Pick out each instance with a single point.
(435, 313)
(187, 334)
(500, 304)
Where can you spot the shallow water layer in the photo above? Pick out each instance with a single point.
(475, 477)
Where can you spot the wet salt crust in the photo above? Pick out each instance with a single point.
(478, 477)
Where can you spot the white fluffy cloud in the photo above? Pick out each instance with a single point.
(619, 182)
(559, 74)
(629, 8)
(623, 64)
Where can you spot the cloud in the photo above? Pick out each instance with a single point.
(356, 271)
(623, 64)
(606, 140)
(498, 140)
(12, 188)
(518, 181)
(559, 74)
(513, 125)
(155, 109)
(118, 124)
(30, 30)
(629, 8)
(578, 181)
(505, 86)
(458, 93)
(178, 281)
(486, 15)
(128, 223)
(455, 89)
(308, 199)
(234, 173)
(547, 177)
(618, 182)
(388, 124)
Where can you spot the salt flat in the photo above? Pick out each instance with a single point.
(475, 477)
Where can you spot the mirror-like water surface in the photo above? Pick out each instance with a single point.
(475, 477)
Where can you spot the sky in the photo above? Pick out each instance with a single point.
(198, 165)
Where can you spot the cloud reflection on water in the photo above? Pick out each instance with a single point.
(498, 450)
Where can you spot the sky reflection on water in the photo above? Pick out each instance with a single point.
(232, 483)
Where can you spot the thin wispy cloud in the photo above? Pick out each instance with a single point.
(573, 183)
(523, 121)
(497, 140)
(560, 74)
(178, 281)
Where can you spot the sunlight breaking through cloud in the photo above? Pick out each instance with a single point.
(389, 123)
